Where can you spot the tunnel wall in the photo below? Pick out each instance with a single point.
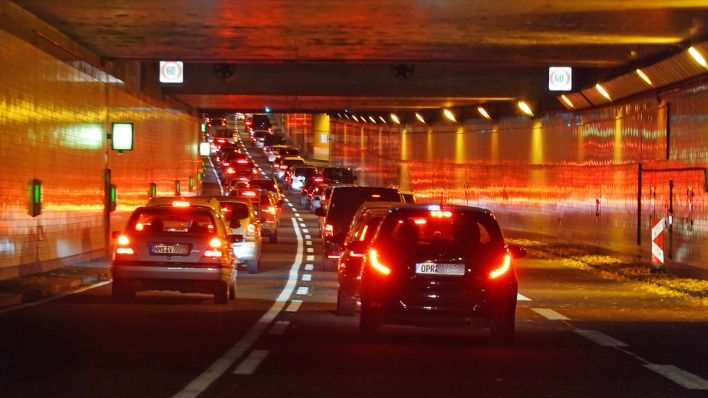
(54, 117)
(571, 176)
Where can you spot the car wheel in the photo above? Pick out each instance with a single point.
(232, 291)
(502, 329)
(252, 266)
(120, 292)
(221, 296)
(274, 235)
(345, 305)
(369, 322)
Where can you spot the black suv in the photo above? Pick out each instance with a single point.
(343, 204)
(338, 175)
(260, 122)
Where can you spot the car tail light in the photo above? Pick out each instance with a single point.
(221, 140)
(226, 164)
(230, 170)
(214, 250)
(421, 221)
(503, 269)
(318, 179)
(243, 178)
(283, 167)
(329, 230)
(440, 213)
(242, 161)
(255, 170)
(180, 203)
(250, 194)
(376, 265)
(123, 247)
(271, 210)
(139, 226)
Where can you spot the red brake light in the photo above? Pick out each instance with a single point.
(329, 230)
(250, 194)
(230, 170)
(318, 179)
(221, 140)
(242, 161)
(214, 250)
(226, 164)
(122, 248)
(283, 167)
(180, 203)
(376, 264)
(503, 269)
(440, 213)
(271, 209)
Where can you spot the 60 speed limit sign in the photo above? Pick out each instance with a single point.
(171, 72)
(560, 78)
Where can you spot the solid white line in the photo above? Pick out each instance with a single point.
(310, 258)
(521, 297)
(307, 277)
(310, 250)
(57, 297)
(250, 364)
(279, 327)
(294, 306)
(600, 338)
(679, 376)
(219, 367)
(308, 243)
(309, 267)
(550, 314)
(213, 170)
(302, 290)
(308, 237)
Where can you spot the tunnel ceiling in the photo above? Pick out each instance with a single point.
(317, 55)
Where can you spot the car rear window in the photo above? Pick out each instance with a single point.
(293, 162)
(171, 220)
(343, 175)
(305, 171)
(431, 234)
(289, 152)
(346, 200)
(264, 184)
(235, 211)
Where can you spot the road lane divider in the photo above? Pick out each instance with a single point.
(550, 314)
(600, 338)
(279, 327)
(294, 306)
(679, 376)
(521, 297)
(310, 258)
(251, 363)
(302, 290)
(307, 277)
(221, 365)
(309, 267)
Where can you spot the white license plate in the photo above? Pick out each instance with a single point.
(169, 249)
(429, 268)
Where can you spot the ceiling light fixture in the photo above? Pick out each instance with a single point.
(448, 114)
(484, 113)
(698, 57)
(644, 77)
(567, 101)
(395, 118)
(525, 108)
(372, 119)
(382, 119)
(603, 91)
(420, 117)
(355, 118)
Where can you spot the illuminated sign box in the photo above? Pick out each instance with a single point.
(204, 149)
(560, 78)
(122, 137)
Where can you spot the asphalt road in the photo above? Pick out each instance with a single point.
(577, 336)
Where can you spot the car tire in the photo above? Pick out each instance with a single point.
(221, 296)
(120, 292)
(274, 235)
(369, 323)
(252, 266)
(501, 329)
(345, 305)
(232, 290)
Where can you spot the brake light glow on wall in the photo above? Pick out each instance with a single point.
(122, 137)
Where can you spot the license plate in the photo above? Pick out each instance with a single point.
(169, 249)
(429, 268)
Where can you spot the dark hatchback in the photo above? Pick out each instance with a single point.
(439, 265)
(343, 204)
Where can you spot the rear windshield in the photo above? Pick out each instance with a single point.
(274, 139)
(260, 134)
(432, 234)
(305, 171)
(235, 211)
(339, 175)
(346, 200)
(289, 152)
(261, 119)
(293, 162)
(264, 184)
(171, 220)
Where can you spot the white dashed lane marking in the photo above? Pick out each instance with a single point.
(294, 306)
(521, 297)
(305, 230)
(250, 364)
(299, 218)
(600, 338)
(550, 314)
(679, 376)
(279, 328)
(302, 225)
(310, 250)
(307, 277)
(302, 290)
(309, 267)
(310, 258)
(308, 237)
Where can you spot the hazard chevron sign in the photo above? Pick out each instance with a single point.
(657, 241)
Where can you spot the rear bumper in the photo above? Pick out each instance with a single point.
(185, 279)
(245, 251)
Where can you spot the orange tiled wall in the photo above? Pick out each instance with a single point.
(573, 176)
(53, 124)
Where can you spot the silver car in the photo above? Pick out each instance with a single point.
(243, 221)
(181, 246)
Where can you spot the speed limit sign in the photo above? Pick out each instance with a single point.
(171, 72)
(560, 78)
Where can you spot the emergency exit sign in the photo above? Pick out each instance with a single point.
(171, 72)
(560, 78)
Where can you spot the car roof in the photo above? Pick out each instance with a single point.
(293, 158)
(193, 201)
(402, 207)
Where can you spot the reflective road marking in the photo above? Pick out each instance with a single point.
(521, 297)
(279, 327)
(307, 277)
(302, 290)
(294, 306)
(550, 314)
(310, 258)
(309, 267)
(600, 338)
(250, 364)
(679, 376)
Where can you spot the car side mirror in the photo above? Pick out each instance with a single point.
(358, 247)
(115, 234)
(320, 212)
(517, 251)
(235, 238)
